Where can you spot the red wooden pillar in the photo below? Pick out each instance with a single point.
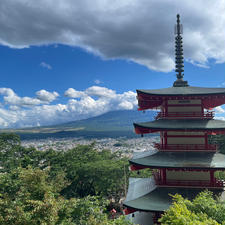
(161, 137)
(165, 139)
(206, 140)
(212, 178)
(164, 175)
(202, 108)
(166, 107)
(160, 176)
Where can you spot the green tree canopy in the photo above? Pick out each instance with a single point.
(203, 210)
(87, 170)
(59, 187)
(28, 198)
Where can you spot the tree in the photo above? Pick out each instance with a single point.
(203, 210)
(219, 140)
(50, 187)
(13, 155)
(87, 170)
(30, 197)
(90, 172)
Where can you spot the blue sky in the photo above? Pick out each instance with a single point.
(62, 61)
(59, 67)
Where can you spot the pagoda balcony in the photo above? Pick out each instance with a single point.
(185, 147)
(191, 183)
(186, 115)
(188, 183)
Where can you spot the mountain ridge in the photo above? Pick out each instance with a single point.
(113, 123)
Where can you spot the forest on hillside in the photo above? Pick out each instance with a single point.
(79, 186)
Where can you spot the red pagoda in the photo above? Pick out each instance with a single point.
(183, 162)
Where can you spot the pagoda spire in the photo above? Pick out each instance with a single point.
(179, 58)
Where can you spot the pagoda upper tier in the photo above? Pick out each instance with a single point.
(208, 97)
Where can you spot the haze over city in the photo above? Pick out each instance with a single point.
(63, 60)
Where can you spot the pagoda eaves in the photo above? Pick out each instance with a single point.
(185, 160)
(209, 97)
(159, 199)
(208, 125)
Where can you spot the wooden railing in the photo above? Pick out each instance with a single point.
(181, 115)
(186, 147)
(200, 183)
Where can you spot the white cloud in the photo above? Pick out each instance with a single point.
(133, 29)
(72, 93)
(219, 110)
(12, 99)
(95, 100)
(46, 96)
(100, 92)
(46, 65)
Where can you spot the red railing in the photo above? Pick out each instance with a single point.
(187, 147)
(201, 183)
(181, 115)
(156, 176)
(219, 183)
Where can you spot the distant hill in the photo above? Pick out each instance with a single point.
(111, 124)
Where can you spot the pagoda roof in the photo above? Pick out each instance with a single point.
(197, 160)
(183, 91)
(158, 199)
(180, 124)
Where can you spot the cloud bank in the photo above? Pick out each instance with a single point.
(16, 111)
(136, 30)
(42, 109)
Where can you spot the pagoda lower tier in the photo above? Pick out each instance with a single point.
(144, 195)
(182, 169)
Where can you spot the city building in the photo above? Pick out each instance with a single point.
(184, 161)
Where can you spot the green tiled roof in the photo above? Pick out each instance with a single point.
(159, 199)
(189, 90)
(181, 124)
(201, 160)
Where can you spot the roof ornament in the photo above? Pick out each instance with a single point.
(179, 55)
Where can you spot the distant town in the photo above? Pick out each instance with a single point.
(126, 145)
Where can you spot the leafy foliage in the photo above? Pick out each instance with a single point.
(144, 173)
(28, 198)
(88, 171)
(203, 210)
(55, 187)
(219, 140)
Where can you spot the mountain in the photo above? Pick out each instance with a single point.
(110, 124)
(114, 120)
